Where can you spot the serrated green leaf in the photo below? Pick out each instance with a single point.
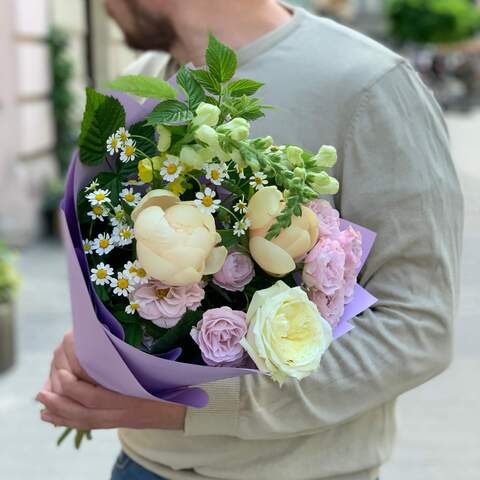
(103, 116)
(220, 59)
(143, 86)
(174, 335)
(133, 333)
(207, 81)
(170, 112)
(191, 87)
(243, 86)
(229, 239)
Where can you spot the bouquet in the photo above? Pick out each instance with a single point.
(197, 253)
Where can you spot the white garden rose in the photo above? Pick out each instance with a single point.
(176, 242)
(286, 336)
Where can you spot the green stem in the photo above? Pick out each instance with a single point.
(149, 140)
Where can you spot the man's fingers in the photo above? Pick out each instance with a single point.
(92, 396)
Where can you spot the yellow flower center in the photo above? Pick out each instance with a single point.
(141, 272)
(162, 292)
(114, 142)
(258, 180)
(104, 243)
(119, 215)
(100, 196)
(87, 248)
(171, 169)
(129, 150)
(129, 197)
(134, 306)
(123, 283)
(124, 136)
(97, 210)
(215, 174)
(133, 269)
(207, 201)
(126, 234)
(101, 274)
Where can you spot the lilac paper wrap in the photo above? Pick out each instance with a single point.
(99, 338)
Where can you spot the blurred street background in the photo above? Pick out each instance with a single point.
(52, 49)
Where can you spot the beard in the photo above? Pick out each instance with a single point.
(148, 31)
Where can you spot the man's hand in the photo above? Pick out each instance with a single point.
(72, 399)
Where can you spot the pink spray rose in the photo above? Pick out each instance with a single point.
(351, 242)
(165, 305)
(324, 266)
(218, 335)
(328, 217)
(331, 307)
(237, 271)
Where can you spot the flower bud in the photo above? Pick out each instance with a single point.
(323, 183)
(164, 138)
(206, 114)
(326, 156)
(294, 156)
(300, 173)
(263, 143)
(208, 135)
(238, 129)
(191, 158)
(146, 168)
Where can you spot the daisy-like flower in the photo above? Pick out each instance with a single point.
(240, 171)
(136, 272)
(258, 180)
(130, 197)
(98, 212)
(121, 285)
(103, 244)
(122, 135)
(119, 216)
(93, 185)
(113, 144)
(216, 172)
(102, 275)
(129, 149)
(98, 197)
(241, 206)
(171, 169)
(240, 228)
(87, 246)
(206, 201)
(132, 308)
(123, 235)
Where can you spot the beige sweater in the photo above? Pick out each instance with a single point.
(333, 86)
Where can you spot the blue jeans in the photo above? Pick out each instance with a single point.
(126, 469)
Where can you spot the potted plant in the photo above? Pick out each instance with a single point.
(9, 280)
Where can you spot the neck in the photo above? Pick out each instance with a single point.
(235, 23)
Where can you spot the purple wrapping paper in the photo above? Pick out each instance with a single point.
(99, 336)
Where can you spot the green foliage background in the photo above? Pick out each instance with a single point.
(432, 21)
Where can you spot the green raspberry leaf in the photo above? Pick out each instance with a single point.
(170, 112)
(103, 116)
(207, 81)
(191, 87)
(143, 86)
(221, 60)
(243, 86)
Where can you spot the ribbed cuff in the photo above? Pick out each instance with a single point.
(220, 416)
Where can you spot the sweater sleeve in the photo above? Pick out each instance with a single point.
(397, 178)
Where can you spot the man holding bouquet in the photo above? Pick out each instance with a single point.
(331, 86)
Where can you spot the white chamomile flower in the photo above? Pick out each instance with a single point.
(102, 275)
(206, 201)
(216, 172)
(240, 171)
(123, 235)
(171, 169)
(98, 197)
(121, 285)
(132, 308)
(113, 144)
(98, 212)
(93, 185)
(103, 244)
(122, 135)
(129, 197)
(136, 272)
(119, 216)
(258, 180)
(240, 228)
(129, 149)
(241, 206)
(87, 246)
